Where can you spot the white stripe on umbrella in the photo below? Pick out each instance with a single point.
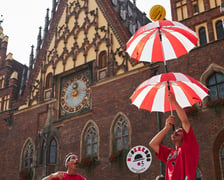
(181, 97)
(199, 91)
(137, 44)
(159, 100)
(148, 49)
(141, 96)
(168, 50)
(180, 45)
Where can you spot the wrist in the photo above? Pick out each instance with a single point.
(167, 127)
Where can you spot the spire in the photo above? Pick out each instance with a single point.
(1, 20)
(1, 29)
(54, 5)
(39, 41)
(46, 23)
(23, 80)
(31, 58)
(30, 64)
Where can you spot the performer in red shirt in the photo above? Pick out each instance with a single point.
(181, 163)
(71, 163)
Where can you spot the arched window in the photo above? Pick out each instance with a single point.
(2, 81)
(102, 65)
(102, 60)
(114, 2)
(121, 134)
(123, 12)
(53, 152)
(27, 161)
(198, 174)
(215, 83)
(49, 80)
(202, 36)
(219, 30)
(195, 7)
(222, 160)
(42, 152)
(4, 102)
(90, 141)
(28, 156)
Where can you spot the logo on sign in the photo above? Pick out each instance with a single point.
(139, 159)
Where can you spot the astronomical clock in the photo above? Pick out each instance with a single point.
(75, 97)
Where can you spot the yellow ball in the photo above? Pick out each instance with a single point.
(157, 12)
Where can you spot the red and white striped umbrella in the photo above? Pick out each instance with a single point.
(152, 94)
(160, 41)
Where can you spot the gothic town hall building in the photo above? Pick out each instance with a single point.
(81, 53)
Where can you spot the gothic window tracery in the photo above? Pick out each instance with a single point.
(28, 155)
(222, 160)
(121, 134)
(215, 83)
(53, 151)
(90, 141)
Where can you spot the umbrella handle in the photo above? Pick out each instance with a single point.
(171, 110)
(173, 126)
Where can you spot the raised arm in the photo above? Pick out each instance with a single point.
(157, 139)
(180, 112)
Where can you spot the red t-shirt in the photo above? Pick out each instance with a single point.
(70, 177)
(181, 163)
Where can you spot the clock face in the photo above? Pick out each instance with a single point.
(75, 95)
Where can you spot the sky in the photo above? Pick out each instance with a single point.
(22, 19)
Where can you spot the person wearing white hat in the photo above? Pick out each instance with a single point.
(71, 163)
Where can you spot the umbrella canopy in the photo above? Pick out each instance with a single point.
(152, 94)
(160, 41)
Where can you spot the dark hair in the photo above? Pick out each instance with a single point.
(67, 157)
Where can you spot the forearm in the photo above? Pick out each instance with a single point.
(157, 139)
(182, 116)
(180, 112)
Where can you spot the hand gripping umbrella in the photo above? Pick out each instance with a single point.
(152, 94)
